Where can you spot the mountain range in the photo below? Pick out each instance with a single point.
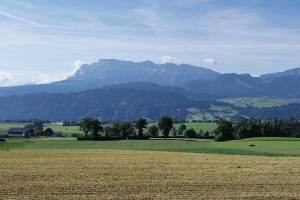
(124, 90)
(111, 72)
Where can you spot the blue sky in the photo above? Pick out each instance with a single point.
(47, 40)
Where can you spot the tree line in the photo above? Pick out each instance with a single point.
(247, 128)
(139, 129)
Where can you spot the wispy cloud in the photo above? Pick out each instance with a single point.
(20, 19)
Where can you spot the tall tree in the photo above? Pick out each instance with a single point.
(140, 125)
(91, 125)
(165, 124)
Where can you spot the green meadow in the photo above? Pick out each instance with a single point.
(254, 146)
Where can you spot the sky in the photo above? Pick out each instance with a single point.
(47, 40)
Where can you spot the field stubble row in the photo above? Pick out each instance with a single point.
(115, 174)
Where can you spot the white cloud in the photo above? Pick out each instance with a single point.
(166, 59)
(209, 61)
(50, 78)
(5, 77)
(77, 64)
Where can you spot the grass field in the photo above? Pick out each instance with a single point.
(263, 146)
(205, 126)
(66, 130)
(115, 174)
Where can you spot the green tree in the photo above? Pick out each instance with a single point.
(181, 129)
(91, 125)
(126, 129)
(165, 124)
(224, 131)
(153, 131)
(140, 125)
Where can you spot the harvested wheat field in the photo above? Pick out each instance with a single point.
(115, 174)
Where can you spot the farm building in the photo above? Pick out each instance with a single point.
(20, 132)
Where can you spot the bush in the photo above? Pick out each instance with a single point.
(190, 133)
(2, 140)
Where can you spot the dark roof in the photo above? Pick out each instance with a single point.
(18, 130)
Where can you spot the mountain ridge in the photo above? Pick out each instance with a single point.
(112, 71)
(198, 80)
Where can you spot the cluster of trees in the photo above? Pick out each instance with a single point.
(228, 130)
(139, 129)
(93, 127)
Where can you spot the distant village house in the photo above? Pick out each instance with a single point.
(20, 132)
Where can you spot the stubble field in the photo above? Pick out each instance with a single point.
(122, 174)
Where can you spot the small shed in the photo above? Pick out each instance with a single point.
(20, 132)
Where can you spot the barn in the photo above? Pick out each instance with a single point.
(20, 132)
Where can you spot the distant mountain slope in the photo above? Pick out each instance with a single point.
(283, 84)
(123, 103)
(131, 101)
(109, 71)
(225, 86)
(288, 73)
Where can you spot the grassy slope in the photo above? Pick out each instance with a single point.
(276, 147)
(263, 102)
